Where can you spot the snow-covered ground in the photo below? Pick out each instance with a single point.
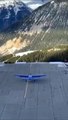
(24, 53)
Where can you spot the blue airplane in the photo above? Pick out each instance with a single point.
(30, 77)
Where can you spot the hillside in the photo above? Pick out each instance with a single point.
(59, 53)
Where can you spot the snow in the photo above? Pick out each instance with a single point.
(6, 2)
(63, 4)
(15, 3)
(16, 9)
(52, 2)
(9, 2)
(48, 30)
(24, 53)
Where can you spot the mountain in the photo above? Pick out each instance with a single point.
(53, 14)
(46, 27)
(11, 12)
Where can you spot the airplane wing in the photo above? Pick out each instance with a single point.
(30, 77)
(22, 76)
(37, 76)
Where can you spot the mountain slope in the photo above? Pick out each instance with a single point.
(12, 12)
(53, 15)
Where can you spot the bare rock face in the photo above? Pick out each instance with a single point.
(53, 14)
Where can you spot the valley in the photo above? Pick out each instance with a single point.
(45, 29)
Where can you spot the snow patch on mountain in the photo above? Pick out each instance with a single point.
(16, 4)
(25, 53)
(9, 2)
(12, 12)
(52, 2)
(62, 4)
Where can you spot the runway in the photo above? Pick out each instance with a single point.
(44, 99)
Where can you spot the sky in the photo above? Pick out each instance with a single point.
(34, 3)
(31, 3)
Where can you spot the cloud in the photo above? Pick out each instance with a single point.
(34, 6)
(33, 3)
(27, 1)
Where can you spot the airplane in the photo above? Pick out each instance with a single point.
(30, 77)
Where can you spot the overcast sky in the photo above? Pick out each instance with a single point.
(34, 3)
